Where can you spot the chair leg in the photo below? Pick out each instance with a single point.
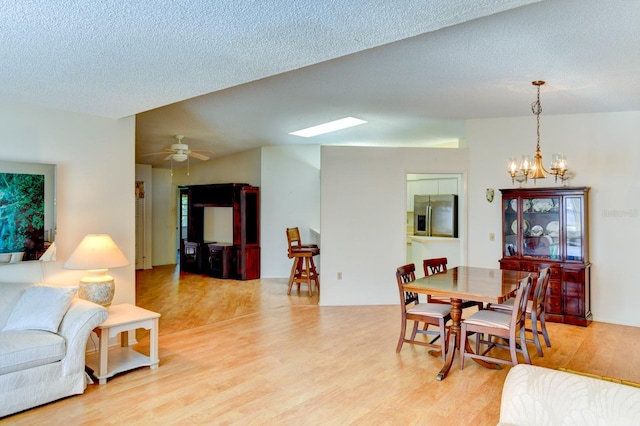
(443, 339)
(523, 343)
(543, 326)
(308, 276)
(463, 344)
(403, 330)
(414, 331)
(534, 331)
(479, 337)
(313, 272)
(292, 276)
(304, 271)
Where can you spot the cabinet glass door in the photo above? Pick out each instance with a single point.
(510, 223)
(573, 209)
(541, 228)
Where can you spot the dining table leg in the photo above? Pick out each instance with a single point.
(454, 342)
(454, 338)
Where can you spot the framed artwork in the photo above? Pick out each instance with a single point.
(22, 226)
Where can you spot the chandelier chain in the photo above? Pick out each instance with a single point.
(536, 108)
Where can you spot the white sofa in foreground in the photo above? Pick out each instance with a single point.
(39, 366)
(540, 396)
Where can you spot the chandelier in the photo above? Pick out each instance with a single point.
(533, 169)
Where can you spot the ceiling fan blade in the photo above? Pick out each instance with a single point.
(152, 153)
(198, 156)
(168, 157)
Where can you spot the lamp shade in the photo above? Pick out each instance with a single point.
(96, 251)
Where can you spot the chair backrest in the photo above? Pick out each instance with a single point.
(520, 305)
(293, 240)
(433, 266)
(540, 292)
(293, 237)
(406, 274)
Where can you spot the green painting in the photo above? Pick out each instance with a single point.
(21, 211)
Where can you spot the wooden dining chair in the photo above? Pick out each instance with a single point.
(303, 269)
(438, 265)
(535, 311)
(508, 326)
(436, 314)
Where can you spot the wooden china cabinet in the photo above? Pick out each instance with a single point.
(550, 227)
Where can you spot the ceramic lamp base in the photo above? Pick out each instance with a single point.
(97, 289)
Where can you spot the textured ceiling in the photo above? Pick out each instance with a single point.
(233, 75)
(118, 58)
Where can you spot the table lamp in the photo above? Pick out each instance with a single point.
(96, 254)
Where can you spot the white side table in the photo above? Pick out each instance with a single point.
(123, 319)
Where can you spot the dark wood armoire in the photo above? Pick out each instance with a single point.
(237, 259)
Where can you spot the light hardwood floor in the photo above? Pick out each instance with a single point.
(236, 352)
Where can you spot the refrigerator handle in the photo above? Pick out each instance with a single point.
(428, 221)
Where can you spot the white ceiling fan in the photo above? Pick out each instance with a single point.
(180, 152)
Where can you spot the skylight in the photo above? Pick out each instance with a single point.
(331, 126)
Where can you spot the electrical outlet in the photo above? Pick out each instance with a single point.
(339, 275)
(492, 236)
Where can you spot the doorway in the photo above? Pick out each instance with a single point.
(423, 247)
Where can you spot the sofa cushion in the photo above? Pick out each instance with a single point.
(10, 293)
(40, 308)
(24, 349)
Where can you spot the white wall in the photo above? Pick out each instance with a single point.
(603, 151)
(290, 197)
(218, 224)
(243, 167)
(164, 234)
(95, 179)
(363, 215)
(144, 173)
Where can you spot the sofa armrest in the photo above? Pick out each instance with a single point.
(539, 396)
(78, 322)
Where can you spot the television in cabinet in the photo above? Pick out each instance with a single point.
(549, 227)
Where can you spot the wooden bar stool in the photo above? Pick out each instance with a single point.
(303, 269)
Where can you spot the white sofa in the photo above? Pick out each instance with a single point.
(36, 366)
(541, 396)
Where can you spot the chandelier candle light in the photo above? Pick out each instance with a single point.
(96, 253)
(533, 169)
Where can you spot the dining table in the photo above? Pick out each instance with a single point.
(460, 283)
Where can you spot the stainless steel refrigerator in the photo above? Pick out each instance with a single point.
(435, 215)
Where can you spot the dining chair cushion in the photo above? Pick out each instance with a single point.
(507, 305)
(490, 319)
(430, 309)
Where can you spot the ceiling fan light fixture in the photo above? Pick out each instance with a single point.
(179, 157)
(179, 147)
